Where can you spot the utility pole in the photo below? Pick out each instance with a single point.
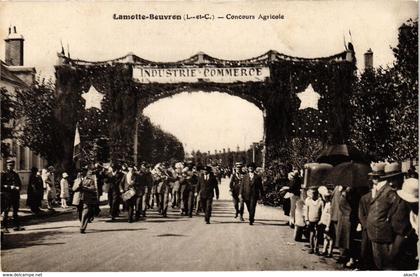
(136, 140)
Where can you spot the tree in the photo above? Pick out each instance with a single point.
(404, 88)
(385, 103)
(155, 145)
(372, 104)
(303, 150)
(38, 128)
(7, 115)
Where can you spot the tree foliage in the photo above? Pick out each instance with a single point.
(38, 127)
(385, 103)
(7, 117)
(155, 145)
(303, 150)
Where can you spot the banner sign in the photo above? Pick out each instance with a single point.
(195, 74)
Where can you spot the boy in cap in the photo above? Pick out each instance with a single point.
(313, 210)
(325, 226)
(64, 190)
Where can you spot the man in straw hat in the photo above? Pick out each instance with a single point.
(234, 186)
(10, 190)
(381, 209)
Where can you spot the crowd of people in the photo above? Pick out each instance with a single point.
(373, 226)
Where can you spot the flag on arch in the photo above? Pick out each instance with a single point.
(77, 147)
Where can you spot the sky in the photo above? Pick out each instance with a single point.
(241, 126)
(309, 29)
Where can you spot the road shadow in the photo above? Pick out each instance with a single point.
(170, 235)
(23, 240)
(283, 224)
(51, 228)
(164, 220)
(227, 222)
(54, 217)
(113, 230)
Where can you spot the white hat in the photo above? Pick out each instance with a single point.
(391, 170)
(410, 190)
(323, 190)
(65, 175)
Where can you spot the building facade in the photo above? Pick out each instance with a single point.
(15, 75)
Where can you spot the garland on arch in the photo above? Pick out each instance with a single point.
(331, 78)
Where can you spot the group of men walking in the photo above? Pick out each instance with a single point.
(246, 189)
(190, 188)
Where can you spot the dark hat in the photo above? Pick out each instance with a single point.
(314, 188)
(253, 165)
(10, 161)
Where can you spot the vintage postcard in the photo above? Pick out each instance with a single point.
(185, 136)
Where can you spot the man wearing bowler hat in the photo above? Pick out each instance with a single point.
(207, 186)
(10, 190)
(251, 191)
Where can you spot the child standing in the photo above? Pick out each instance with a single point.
(313, 210)
(64, 190)
(324, 227)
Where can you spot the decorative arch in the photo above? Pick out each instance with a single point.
(276, 95)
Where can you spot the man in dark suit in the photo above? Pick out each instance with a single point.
(140, 184)
(235, 186)
(146, 180)
(366, 248)
(251, 191)
(383, 235)
(85, 197)
(207, 185)
(192, 180)
(114, 193)
(10, 190)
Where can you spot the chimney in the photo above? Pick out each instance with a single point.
(368, 59)
(14, 48)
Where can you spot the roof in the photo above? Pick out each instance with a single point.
(8, 76)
